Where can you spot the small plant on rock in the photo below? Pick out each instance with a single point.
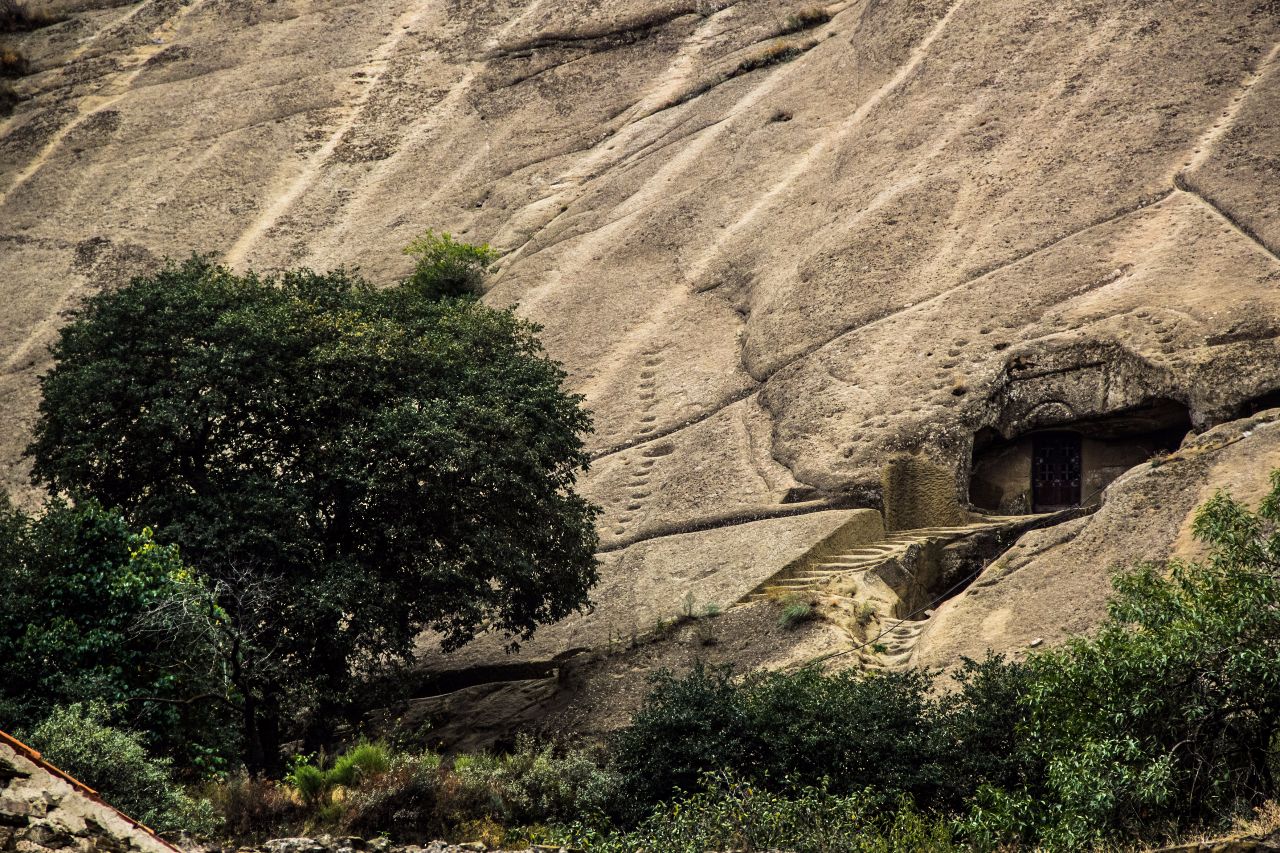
(796, 610)
(448, 268)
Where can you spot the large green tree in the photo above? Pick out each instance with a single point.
(346, 466)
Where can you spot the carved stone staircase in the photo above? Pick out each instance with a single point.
(884, 577)
(894, 547)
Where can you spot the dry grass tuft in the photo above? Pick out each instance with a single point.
(805, 19)
(774, 54)
(13, 63)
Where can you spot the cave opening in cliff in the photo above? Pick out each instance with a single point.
(1069, 464)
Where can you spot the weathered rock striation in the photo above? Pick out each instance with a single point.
(774, 255)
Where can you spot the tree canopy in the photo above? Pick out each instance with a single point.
(347, 466)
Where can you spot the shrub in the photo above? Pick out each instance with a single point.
(447, 268)
(252, 809)
(363, 761)
(13, 63)
(796, 614)
(805, 19)
(311, 783)
(113, 761)
(855, 729)
(8, 99)
(1168, 718)
(685, 728)
(76, 582)
(539, 786)
(733, 814)
(401, 802)
(775, 54)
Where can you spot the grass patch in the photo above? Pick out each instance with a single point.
(804, 19)
(795, 614)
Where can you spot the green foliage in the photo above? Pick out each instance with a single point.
(796, 614)
(446, 268)
(402, 803)
(686, 728)
(733, 814)
(312, 784)
(539, 786)
(363, 761)
(344, 466)
(1168, 716)
(113, 761)
(76, 584)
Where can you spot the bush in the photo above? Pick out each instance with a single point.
(252, 809)
(539, 786)
(796, 614)
(732, 814)
(13, 63)
(8, 99)
(775, 54)
(363, 761)
(446, 268)
(76, 583)
(401, 803)
(113, 761)
(686, 728)
(805, 19)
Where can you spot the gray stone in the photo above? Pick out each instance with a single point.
(294, 845)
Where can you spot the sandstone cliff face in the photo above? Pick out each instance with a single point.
(773, 249)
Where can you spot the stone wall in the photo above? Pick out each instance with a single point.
(42, 808)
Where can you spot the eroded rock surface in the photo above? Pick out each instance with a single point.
(767, 277)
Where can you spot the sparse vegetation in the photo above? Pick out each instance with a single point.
(13, 63)
(774, 54)
(804, 19)
(795, 613)
(9, 99)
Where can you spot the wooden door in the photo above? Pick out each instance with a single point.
(1055, 470)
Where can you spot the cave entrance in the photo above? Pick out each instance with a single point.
(1071, 463)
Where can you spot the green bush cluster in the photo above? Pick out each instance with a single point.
(848, 730)
(421, 796)
(113, 761)
(446, 268)
(729, 813)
